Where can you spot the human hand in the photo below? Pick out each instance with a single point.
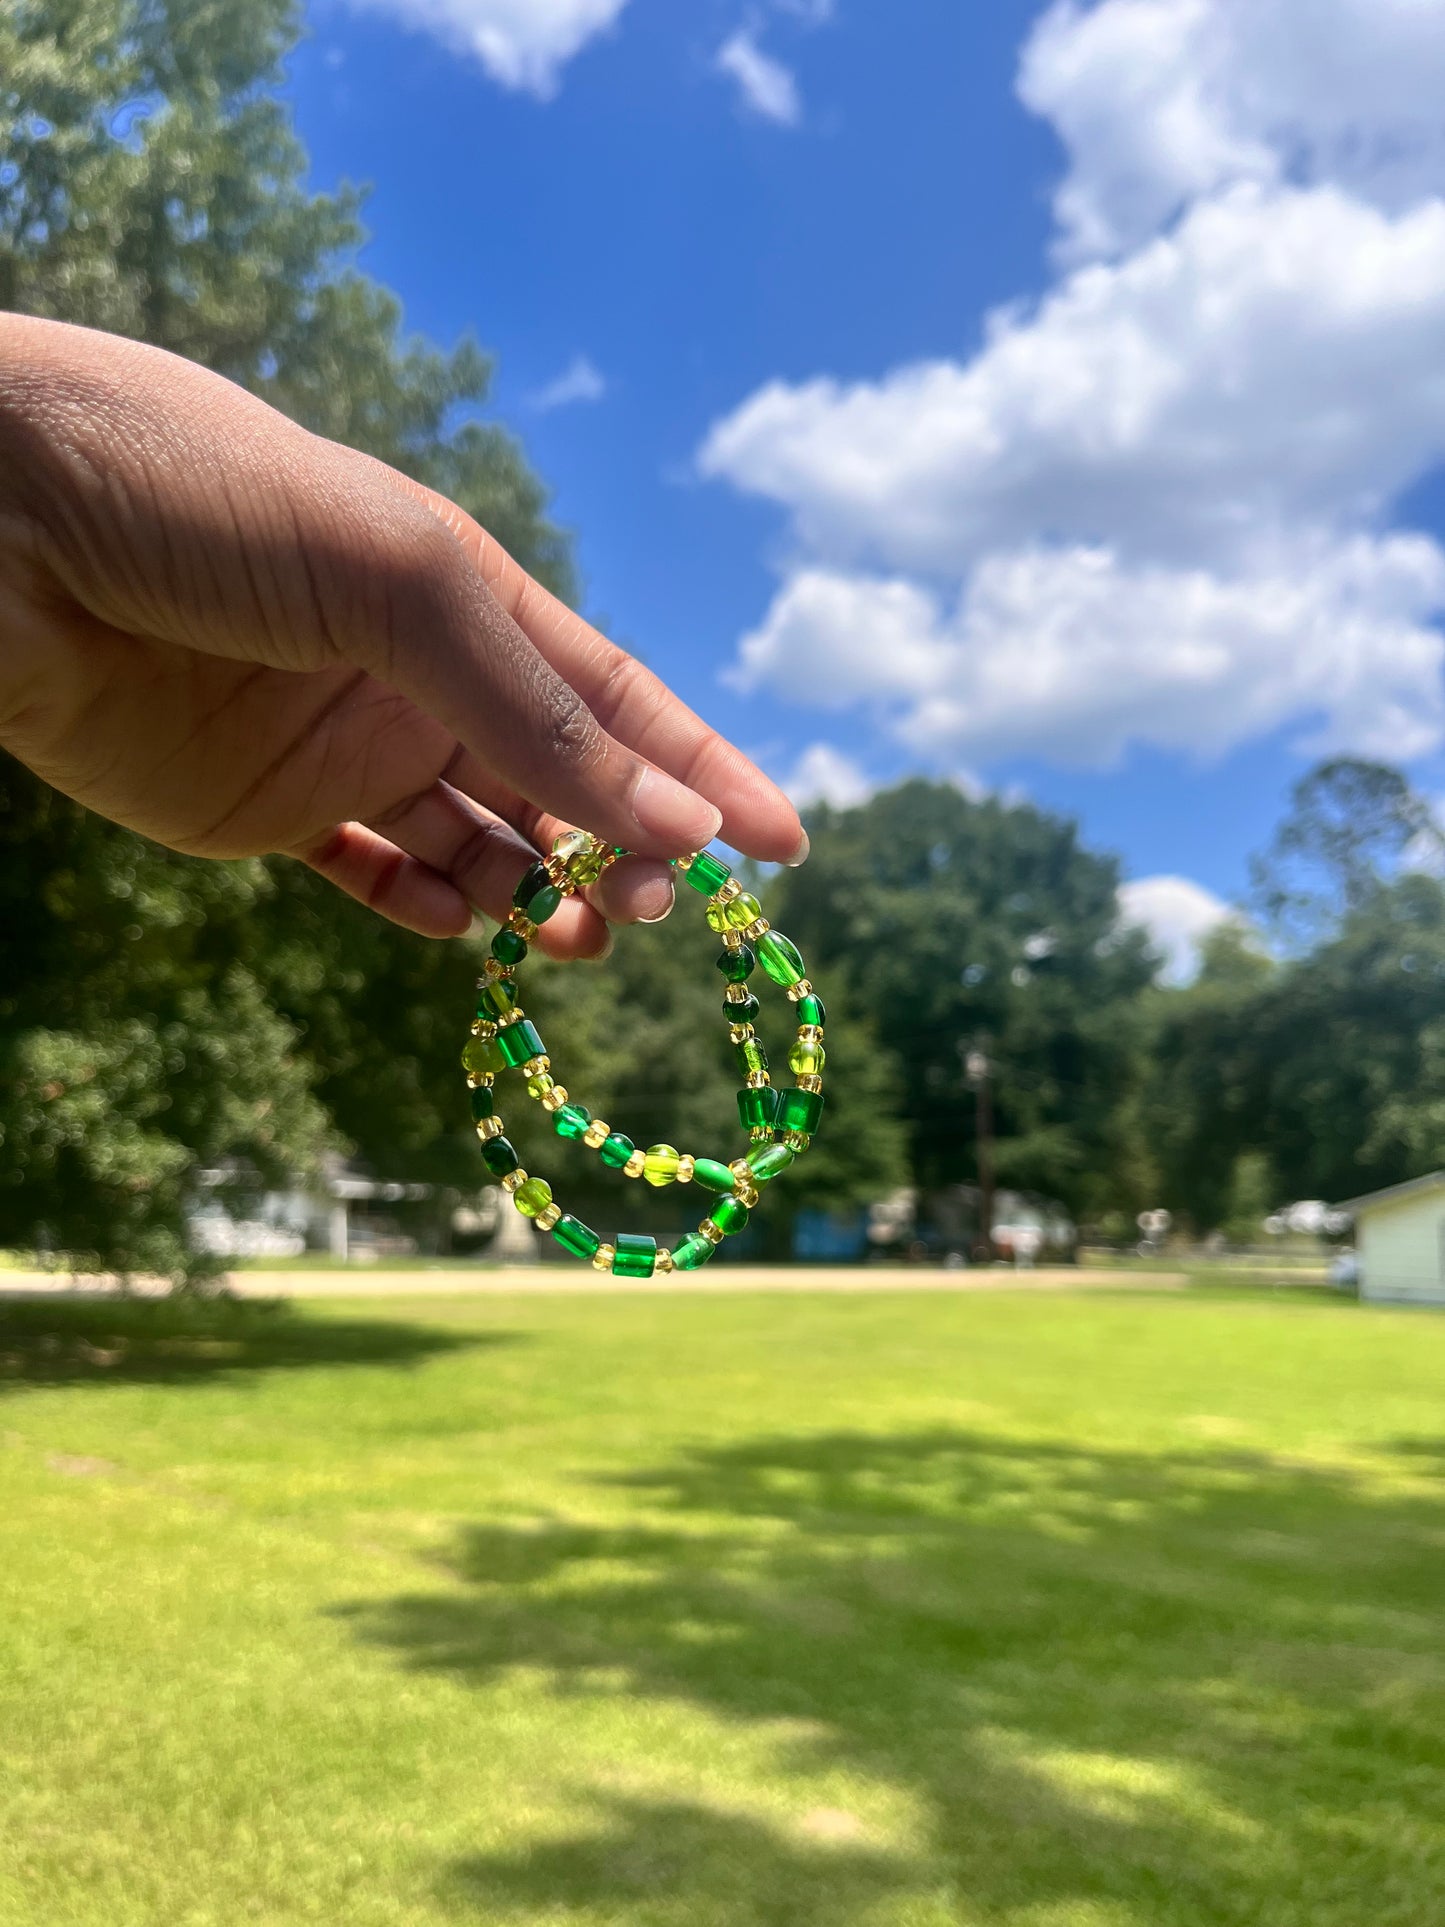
(237, 638)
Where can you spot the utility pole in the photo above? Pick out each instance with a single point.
(979, 1072)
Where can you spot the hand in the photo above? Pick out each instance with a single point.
(237, 638)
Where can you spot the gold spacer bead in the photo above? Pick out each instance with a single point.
(760, 1134)
(686, 862)
(547, 1217)
(489, 1127)
(513, 1016)
(800, 989)
(633, 1166)
(809, 1081)
(737, 993)
(740, 1167)
(478, 1023)
(523, 925)
(797, 1140)
(810, 1033)
(732, 939)
(557, 870)
(759, 927)
(740, 1033)
(514, 1180)
(555, 1098)
(602, 1257)
(686, 1165)
(535, 1066)
(758, 1080)
(476, 1079)
(727, 891)
(663, 1260)
(597, 1133)
(714, 1233)
(746, 1194)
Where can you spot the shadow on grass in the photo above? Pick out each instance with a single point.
(1111, 1689)
(182, 1340)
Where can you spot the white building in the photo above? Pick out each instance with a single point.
(1400, 1238)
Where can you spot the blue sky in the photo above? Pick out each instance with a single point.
(1029, 444)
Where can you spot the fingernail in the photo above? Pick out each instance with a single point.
(800, 855)
(662, 894)
(600, 956)
(672, 813)
(477, 927)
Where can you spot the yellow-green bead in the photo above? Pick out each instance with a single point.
(482, 1054)
(806, 1060)
(533, 1197)
(717, 917)
(660, 1164)
(743, 910)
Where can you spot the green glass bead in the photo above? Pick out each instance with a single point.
(499, 1154)
(811, 1011)
(750, 1056)
(745, 1012)
(571, 1121)
(780, 959)
(806, 1060)
(659, 1164)
(691, 1252)
(583, 857)
(635, 1255)
(508, 947)
(744, 910)
(768, 1161)
(496, 999)
(533, 879)
(484, 1055)
(713, 1176)
(757, 1106)
(717, 917)
(616, 1150)
(574, 1236)
(544, 903)
(707, 873)
(539, 1085)
(800, 1111)
(483, 1101)
(736, 965)
(533, 1197)
(520, 1043)
(729, 1214)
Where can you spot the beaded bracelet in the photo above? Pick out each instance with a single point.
(780, 1124)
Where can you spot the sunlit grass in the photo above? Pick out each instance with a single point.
(895, 1611)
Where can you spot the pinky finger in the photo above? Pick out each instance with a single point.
(387, 880)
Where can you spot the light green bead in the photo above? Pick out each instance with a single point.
(717, 917)
(660, 1163)
(533, 1197)
(806, 1060)
(743, 910)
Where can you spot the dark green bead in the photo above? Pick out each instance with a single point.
(572, 1121)
(508, 947)
(616, 1150)
(496, 999)
(707, 873)
(742, 1013)
(800, 1111)
(811, 1011)
(499, 1154)
(729, 1214)
(635, 1255)
(693, 1251)
(736, 965)
(766, 1161)
(750, 1056)
(544, 903)
(533, 879)
(757, 1107)
(520, 1043)
(713, 1176)
(574, 1236)
(780, 958)
(484, 1102)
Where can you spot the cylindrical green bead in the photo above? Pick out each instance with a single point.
(757, 1106)
(635, 1255)
(806, 1060)
(497, 998)
(743, 1012)
(484, 1055)
(780, 958)
(717, 917)
(660, 1164)
(713, 1176)
(736, 965)
(483, 1101)
(571, 1121)
(811, 1011)
(750, 1056)
(533, 1197)
(614, 1151)
(707, 873)
(574, 1236)
(767, 1161)
(729, 1214)
(744, 910)
(691, 1252)
(508, 947)
(520, 1043)
(800, 1111)
(499, 1154)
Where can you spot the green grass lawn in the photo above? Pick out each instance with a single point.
(894, 1611)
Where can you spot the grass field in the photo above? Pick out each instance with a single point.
(904, 1611)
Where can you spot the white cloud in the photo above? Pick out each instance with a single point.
(767, 87)
(823, 774)
(1178, 915)
(580, 380)
(1159, 102)
(523, 44)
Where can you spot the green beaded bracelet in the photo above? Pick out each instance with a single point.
(780, 1124)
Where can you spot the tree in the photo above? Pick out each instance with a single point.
(161, 1014)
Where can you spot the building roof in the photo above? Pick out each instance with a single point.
(1431, 1181)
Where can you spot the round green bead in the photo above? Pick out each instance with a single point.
(780, 959)
(744, 910)
(660, 1164)
(729, 1214)
(741, 1013)
(767, 1161)
(572, 1121)
(737, 965)
(811, 1011)
(483, 1055)
(614, 1151)
(713, 1176)
(717, 917)
(806, 1060)
(583, 857)
(508, 947)
(691, 1252)
(533, 1197)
